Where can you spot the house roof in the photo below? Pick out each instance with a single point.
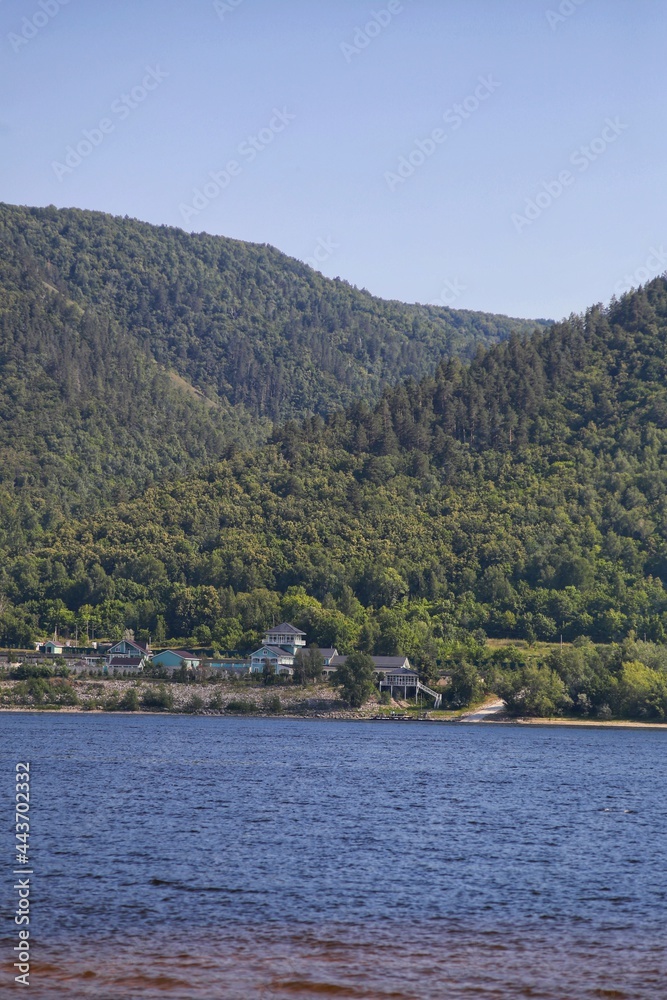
(179, 652)
(277, 650)
(141, 646)
(393, 663)
(284, 629)
(390, 662)
(328, 652)
(397, 671)
(126, 661)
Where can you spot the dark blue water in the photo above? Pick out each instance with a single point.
(199, 857)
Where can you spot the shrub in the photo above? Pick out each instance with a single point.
(356, 679)
(465, 685)
(534, 690)
(157, 671)
(26, 671)
(45, 691)
(157, 699)
(194, 705)
(273, 705)
(129, 702)
(241, 707)
(642, 692)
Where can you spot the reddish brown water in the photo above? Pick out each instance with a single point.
(418, 963)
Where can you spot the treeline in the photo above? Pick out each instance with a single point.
(626, 680)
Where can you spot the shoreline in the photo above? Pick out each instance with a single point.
(349, 717)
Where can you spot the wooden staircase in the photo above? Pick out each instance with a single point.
(434, 694)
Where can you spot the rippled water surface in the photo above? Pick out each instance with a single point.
(244, 858)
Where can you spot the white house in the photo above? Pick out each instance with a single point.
(285, 635)
(130, 648)
(279, 659)
(281, 644)
(387, 665)
(127, 655)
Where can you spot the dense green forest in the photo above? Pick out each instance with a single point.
(242, 322)
(521, 495)
(130, 352)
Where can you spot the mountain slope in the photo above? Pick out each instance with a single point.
(86, 417)
(524, 494)
(242, 322)
(130, 353)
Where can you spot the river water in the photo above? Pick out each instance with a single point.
(196, 857)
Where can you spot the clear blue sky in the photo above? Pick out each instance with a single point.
(323, 175)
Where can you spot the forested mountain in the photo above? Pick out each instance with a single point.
(242, 322)
(85, 416)
(130, 352)
(521, 495)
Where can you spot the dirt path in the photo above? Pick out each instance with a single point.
(486, 711)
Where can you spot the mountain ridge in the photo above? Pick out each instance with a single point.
(241, 336)
(520, 495)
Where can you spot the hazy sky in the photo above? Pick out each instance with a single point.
(505, 155)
